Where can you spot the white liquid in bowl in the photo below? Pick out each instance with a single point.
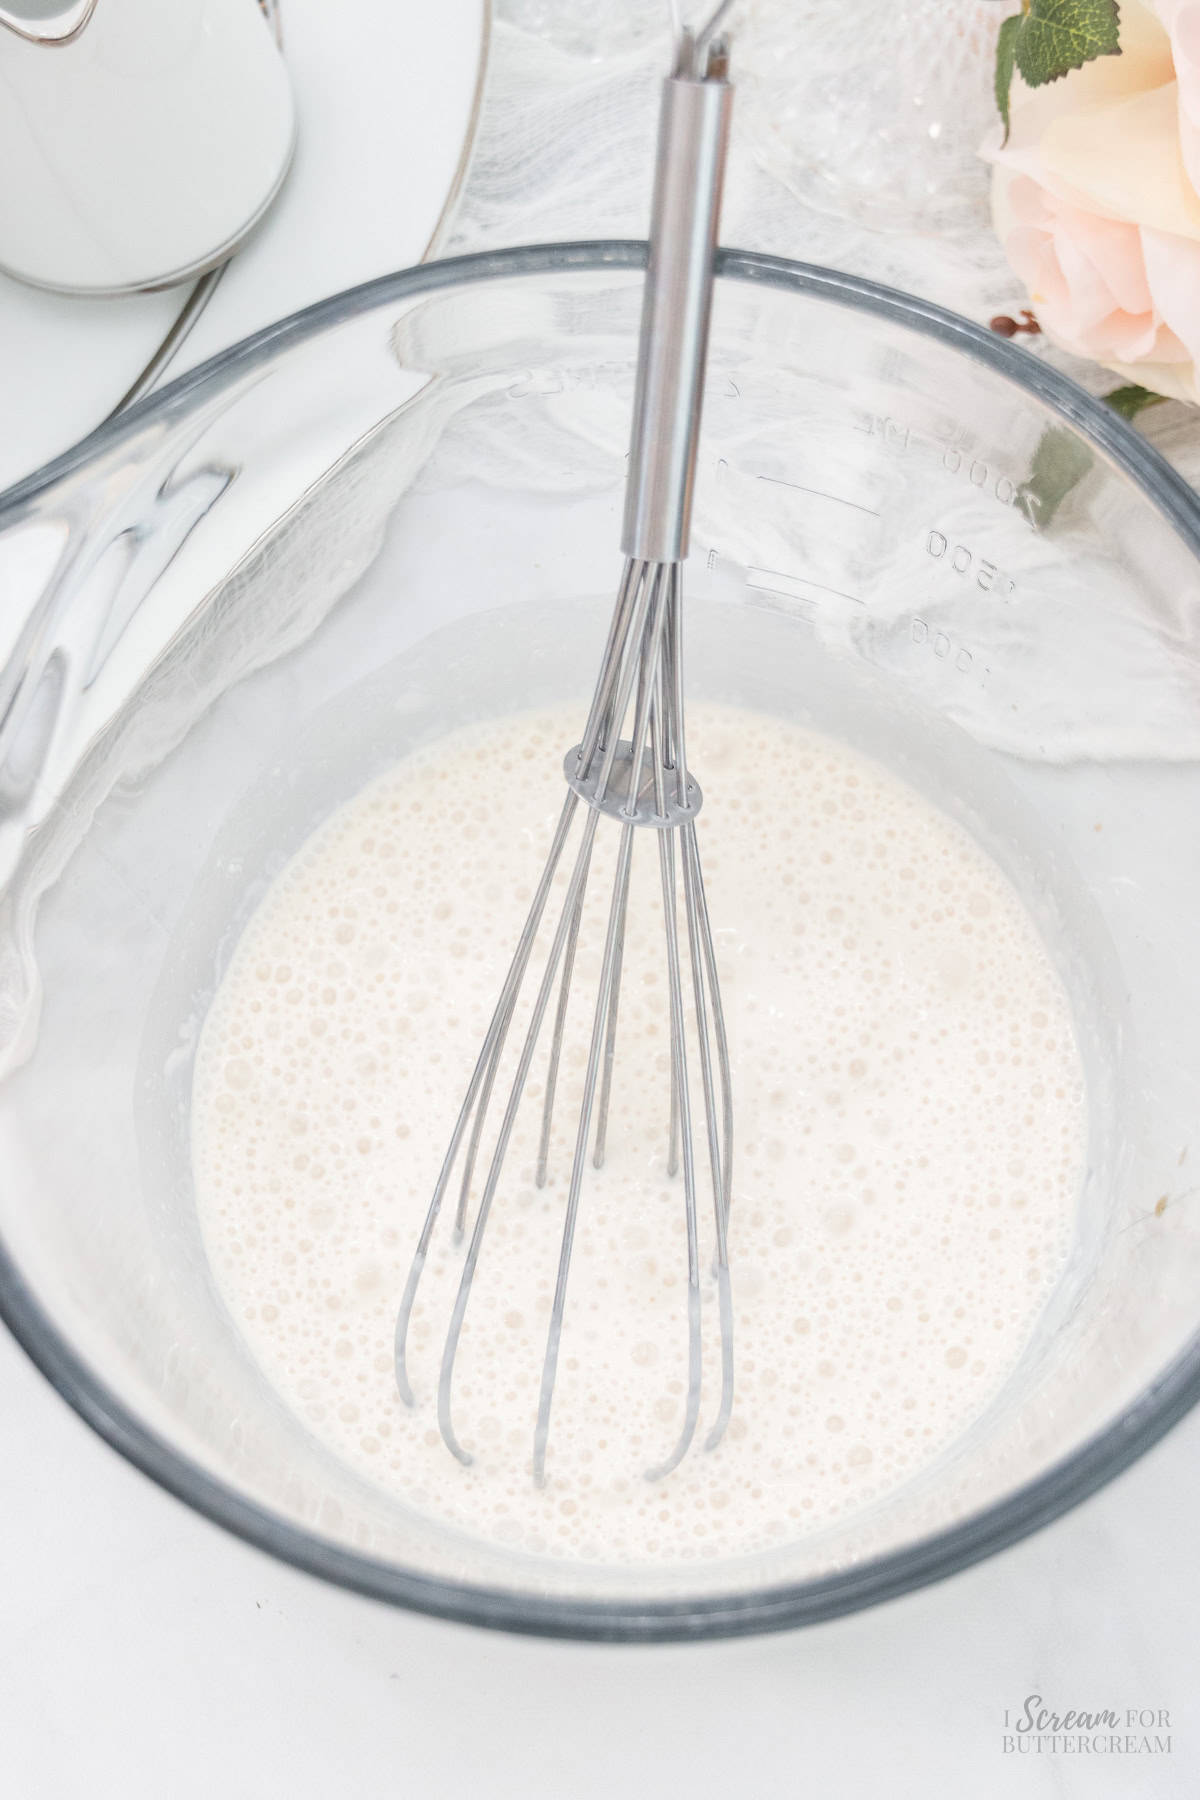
(909, 1145)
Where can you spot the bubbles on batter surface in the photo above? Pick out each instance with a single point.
(908, 1153)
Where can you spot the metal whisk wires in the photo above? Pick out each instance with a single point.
(631, 767)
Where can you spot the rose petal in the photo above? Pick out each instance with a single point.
(1096, 199)
(1182, 19)
(1176, 380)
(1132, 339)
(1086, 275)
(1028, 204)
(1035, 262)
(1115, 251)
(1144, 63)
(1183, 27)
(1173, 272)
(1124, 160)
(1088, 294)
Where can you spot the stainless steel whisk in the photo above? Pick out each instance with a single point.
(641, 781)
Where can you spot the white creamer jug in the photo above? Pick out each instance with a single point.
(140, 140)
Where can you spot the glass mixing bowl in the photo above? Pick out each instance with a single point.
(399, 510)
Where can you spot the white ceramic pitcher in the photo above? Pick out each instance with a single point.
(140, 140)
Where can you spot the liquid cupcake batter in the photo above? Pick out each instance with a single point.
(909, 1145)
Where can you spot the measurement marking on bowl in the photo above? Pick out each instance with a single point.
(838, 500)
(955, 654)
(963, 560)
(896, 436)
(899, 437)
(783, 583)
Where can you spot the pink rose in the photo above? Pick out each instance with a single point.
(1096, 200)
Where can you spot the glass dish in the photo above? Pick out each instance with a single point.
(398, 510)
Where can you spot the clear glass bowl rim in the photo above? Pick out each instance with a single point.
(1160, 1406)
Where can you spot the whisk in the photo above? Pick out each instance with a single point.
(642, 782)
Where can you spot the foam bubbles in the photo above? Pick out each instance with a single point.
(909, 1144)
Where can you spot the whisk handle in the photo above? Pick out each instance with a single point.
(693, 138)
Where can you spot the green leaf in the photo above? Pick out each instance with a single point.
(1006, 51)
(1061, 460)
(1056, 36)
(1060, 463)
(1129, 401)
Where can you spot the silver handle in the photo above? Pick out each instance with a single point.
(693, 139)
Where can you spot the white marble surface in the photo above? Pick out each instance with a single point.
(147, 1656)
(144, 1654)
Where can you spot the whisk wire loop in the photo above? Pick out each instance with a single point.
(482, 1077)
(640, 675)
(574, 894)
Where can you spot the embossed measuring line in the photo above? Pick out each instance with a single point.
(778, 481)
(773, 578)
